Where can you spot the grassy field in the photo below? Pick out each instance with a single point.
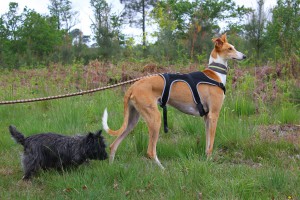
(256, 154)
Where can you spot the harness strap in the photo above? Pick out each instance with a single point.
(166, 91)
(192, 79)
(164, 100)
(196, 95)
(218, 67)
(166, 129)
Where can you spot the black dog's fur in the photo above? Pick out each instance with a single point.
(50, 150)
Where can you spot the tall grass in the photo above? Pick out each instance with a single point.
(243, 166)
(288, 114)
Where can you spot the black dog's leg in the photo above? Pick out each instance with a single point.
(30, 166)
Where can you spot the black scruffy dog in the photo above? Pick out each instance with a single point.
(49, 150)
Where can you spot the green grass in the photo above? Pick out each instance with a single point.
(243, 166)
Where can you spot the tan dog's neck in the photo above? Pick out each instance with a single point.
(220, 60)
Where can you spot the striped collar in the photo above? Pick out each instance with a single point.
(218, 67)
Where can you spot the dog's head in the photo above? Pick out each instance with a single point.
(95, 146)
(224, 50)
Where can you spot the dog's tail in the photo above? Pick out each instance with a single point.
(16, 135)
(125, 122)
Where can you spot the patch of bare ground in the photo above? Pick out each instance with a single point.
(6, 171)
(237, 158)
(286, 132)
(275, 133)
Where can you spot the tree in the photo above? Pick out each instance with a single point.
(10, 44)
(80, 43)
(78, 37)
(283, 33)
(283, 29)
(62, 11)
(3, 39)
(66, 19)
(39, 34)
(116, 24)
(11, 21)
(27, 38)
(106, 27)
(206, 18)
(172, 19)
(134, 7)
(255, 29)
(194, 23)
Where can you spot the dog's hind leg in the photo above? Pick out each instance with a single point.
(30, 166)
(150, 113)
(154, 123)
(132, 121)
(211, 121)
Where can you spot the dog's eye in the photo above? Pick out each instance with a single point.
(230, 48)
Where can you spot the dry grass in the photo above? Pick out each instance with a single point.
(275, 133)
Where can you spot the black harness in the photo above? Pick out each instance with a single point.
(193, 80)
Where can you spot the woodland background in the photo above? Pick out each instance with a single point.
(183, 34)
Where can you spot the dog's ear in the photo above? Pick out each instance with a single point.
(224, 37)
(90, 135)
(89, 138)
(98, 134)
(218, 42)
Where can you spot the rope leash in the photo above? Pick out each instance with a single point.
(73, 94)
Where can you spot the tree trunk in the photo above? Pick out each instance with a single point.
(144, 29)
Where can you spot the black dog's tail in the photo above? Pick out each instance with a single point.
(17, 136)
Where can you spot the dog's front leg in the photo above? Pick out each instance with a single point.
(211, 120)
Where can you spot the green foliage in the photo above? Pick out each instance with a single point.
(34, 31)
(255, 31)
(61, 11)
(23, 37)
(243, 106)
(184, 32)
(283, 29)
(288, 113)
(106, 27)
(132, 12)
(191, 25)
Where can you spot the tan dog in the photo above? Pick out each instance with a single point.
(142, 97)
